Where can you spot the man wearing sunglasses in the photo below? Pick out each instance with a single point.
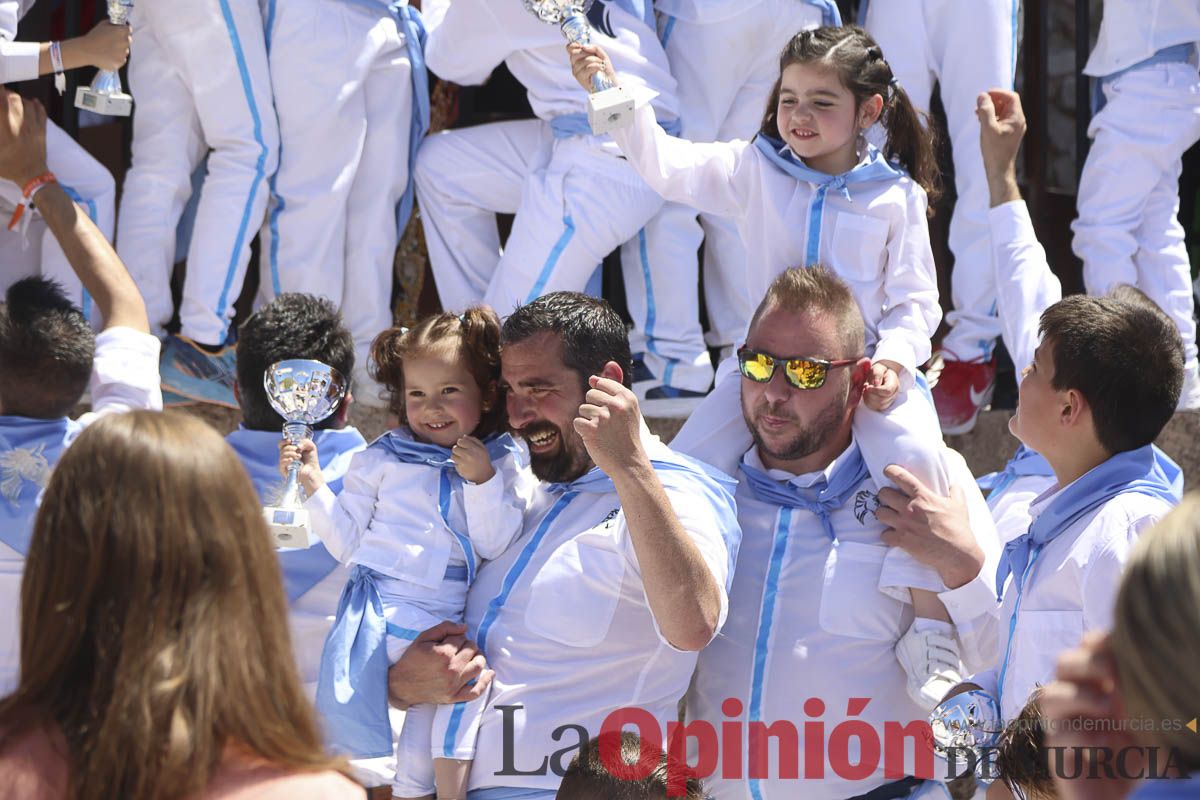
(817, 605)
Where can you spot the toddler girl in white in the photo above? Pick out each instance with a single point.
(418, 509)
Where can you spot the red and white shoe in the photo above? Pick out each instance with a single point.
(963, 389)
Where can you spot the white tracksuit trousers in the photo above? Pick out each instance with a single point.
(967, 48)
(574, 203)
(198, 74)
(35, 251)
(1128, 227)
(341, 77)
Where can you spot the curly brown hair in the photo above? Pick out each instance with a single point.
(475, 333)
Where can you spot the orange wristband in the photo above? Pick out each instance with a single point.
(27, 193)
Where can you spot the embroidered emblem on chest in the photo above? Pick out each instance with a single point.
(865, 502)
(20, 465)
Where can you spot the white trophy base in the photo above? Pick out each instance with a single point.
(111, 105)
(610, 109)
(289, 527)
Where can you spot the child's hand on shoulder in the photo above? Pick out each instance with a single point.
(587, 60)
(472, 461)
(311, 477)
(883, 385)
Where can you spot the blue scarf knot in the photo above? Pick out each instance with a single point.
(872, 169)
(1146, 470)
(821, 499)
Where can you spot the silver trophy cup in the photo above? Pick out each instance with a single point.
(964, 729)
(304, 392)
(609, 107)
(105, 95)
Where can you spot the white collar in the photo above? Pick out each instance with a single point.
(805, 480)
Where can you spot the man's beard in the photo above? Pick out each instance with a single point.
(807, 439)
(567, 462)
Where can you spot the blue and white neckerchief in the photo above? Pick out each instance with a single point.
(822, 499)
(400, 444)
(874, 168)
(1146, 470)
(1025, 462)
(29, 449)
(259, 453)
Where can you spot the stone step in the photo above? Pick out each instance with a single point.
(986, 448)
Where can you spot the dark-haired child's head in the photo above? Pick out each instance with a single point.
(292, 325)
(443, 375)
(1117, 360)
(1021, 754)
(623, 767)
(46, 351)
(833, 84)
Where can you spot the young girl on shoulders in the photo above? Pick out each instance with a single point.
(418, 510)
(809, 189)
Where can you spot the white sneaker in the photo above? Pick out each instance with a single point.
(928, 652)
(1189, 398)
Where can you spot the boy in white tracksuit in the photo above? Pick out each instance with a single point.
(1128, 229)
(198, 71)
(574, 198)
(725, 56)
(33, 250)
(349, 83)
(966, 48)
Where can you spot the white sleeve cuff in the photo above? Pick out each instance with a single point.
(19, 61)
(971, 600)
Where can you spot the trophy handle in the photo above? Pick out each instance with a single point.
(105, 95)
(295, 433)
(576, 29)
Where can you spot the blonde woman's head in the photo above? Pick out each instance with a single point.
(1156, 631)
